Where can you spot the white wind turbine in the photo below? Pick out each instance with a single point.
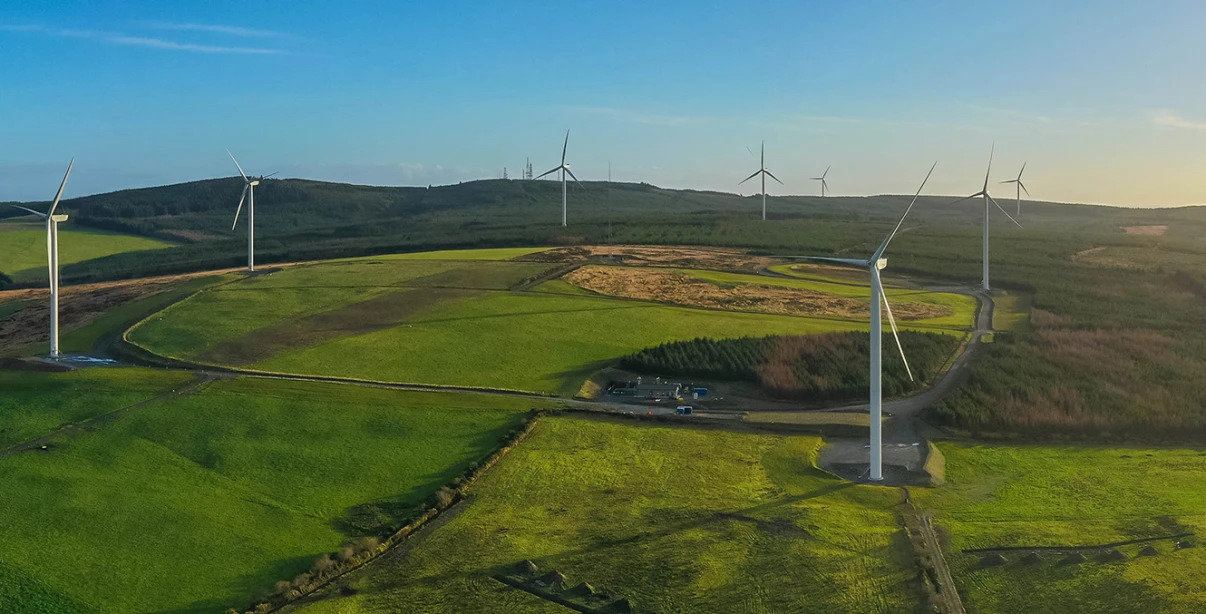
(249, 196)
(873, 265)
(52, 257)
(762, 170)
(1021, 187)
(987, 199)
(824, 184)
(564, 168)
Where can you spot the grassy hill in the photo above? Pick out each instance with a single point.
(301, 219)
(23, 247)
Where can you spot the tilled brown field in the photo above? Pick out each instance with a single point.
(640, 255)
(653, 284)
(78, 305)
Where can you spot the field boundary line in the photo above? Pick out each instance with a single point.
(412, 528)
(1127, 542)
(199, 379)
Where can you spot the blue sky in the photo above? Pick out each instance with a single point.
(1105, 99)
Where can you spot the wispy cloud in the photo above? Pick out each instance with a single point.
(636, 117)
(802, 121)
(1011, 113)
(119, 38)
(217, 29)
(1170, 119)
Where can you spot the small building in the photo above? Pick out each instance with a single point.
(643, 389)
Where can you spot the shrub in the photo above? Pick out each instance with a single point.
(345, 553)
(322, 565)
(281, 587)
(445, 497)
(368, 542)
(302, 579)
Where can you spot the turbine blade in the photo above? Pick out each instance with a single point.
(571, 174)
(855, 262)
(1023, 186)
(564, 146)
(772, 176)
(58, 195)
(1009, 181)
(244, 175)
(262, 177)
(552, 170)
(240, 208)
(37, 213)
(748, 178)
(989, 171)
(955, 202)
(1022, 171)
(826, 172)
(994, 201)
(892, 324)
(880, 252)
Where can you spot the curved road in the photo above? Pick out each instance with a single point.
(904, 447)
(903, 444)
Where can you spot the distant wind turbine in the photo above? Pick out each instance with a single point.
(987, 199)
(873, 265)
(52, 257)
(564, 168)
(249, 196)
(824, 185)
(1021, 187)
(762, 170)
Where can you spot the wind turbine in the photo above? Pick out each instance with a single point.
(987, 199)
(824, 185)
(762, 170)
(564, 168)
(1021, 187)
(249, 196)
(874, 265)
(52, 257)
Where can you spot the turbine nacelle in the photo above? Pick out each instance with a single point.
(62, 217)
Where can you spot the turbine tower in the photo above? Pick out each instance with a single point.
(52, 257)
(564, 168)
(987, 199)
(874, 265)
(762, 170)
(249, 196)
(1021, 187)
(824, 185)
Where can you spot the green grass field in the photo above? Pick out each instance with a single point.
(196, 503)
(23, 247)
(415, 318)
(1073, 495)
(34, 403)
(1011, 311)
(677, 520)
(529, 341)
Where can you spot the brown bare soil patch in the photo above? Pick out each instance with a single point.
(652, 284)
(367, 316)
(1154, 230)
(78, 305)
(642, 255)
